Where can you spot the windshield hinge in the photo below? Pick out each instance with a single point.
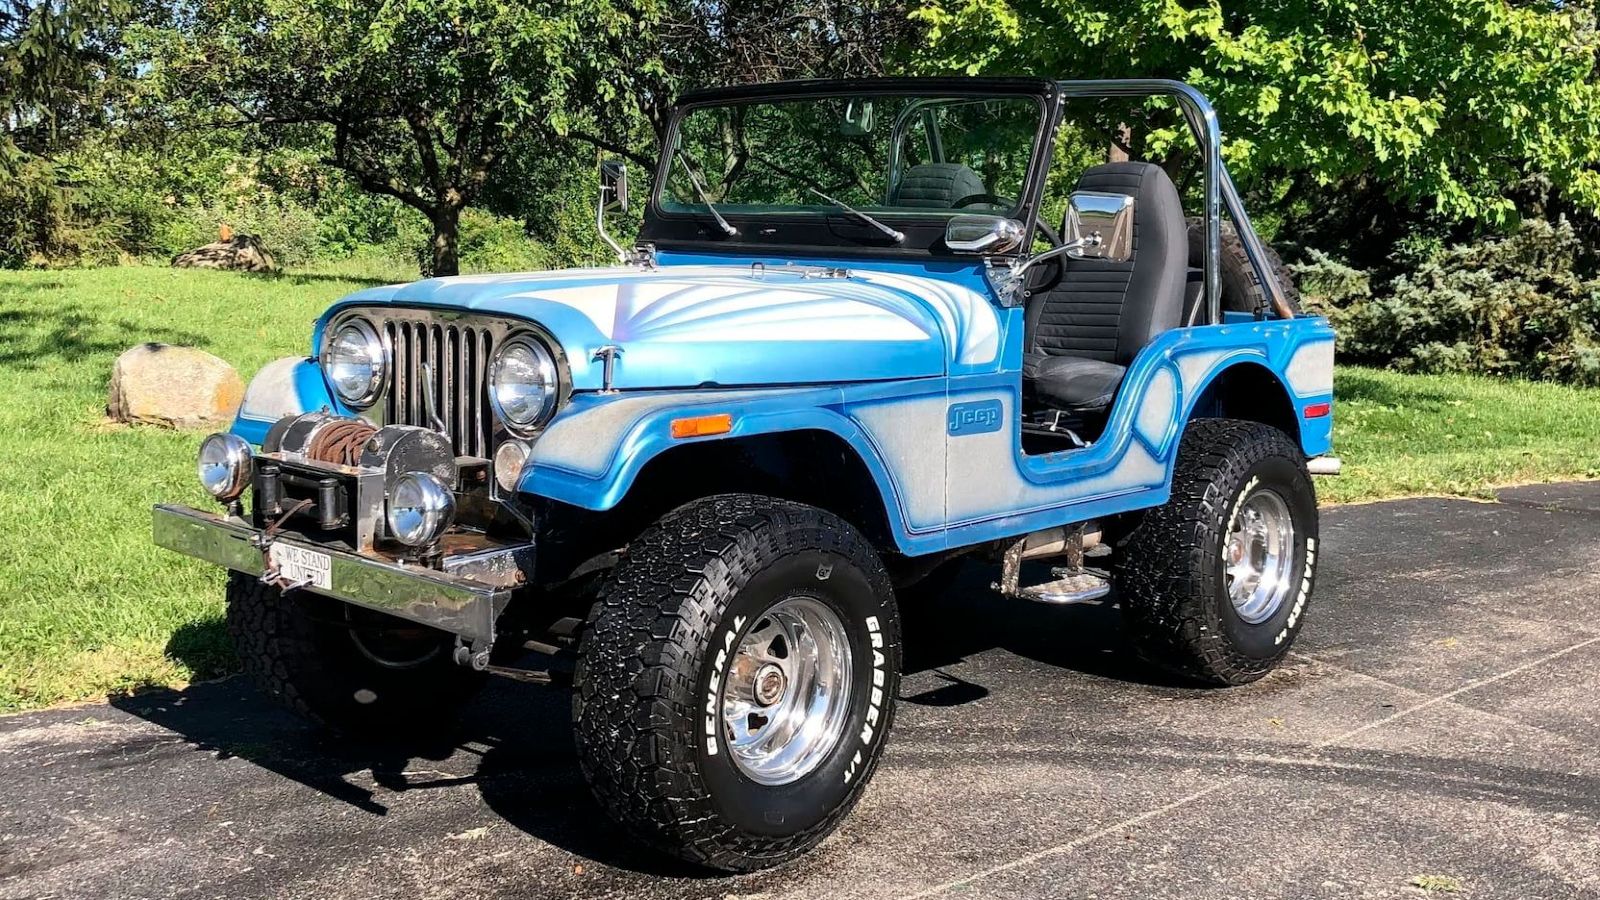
(643, 255)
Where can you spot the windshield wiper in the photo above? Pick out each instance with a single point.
(700, 191)
(896, 236)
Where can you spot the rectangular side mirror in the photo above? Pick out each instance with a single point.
(982, 234)
(1100, 225)
(614, 185)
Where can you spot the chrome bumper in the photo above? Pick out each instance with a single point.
(444, 599)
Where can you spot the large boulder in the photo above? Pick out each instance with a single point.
(173, 387)
(242, 252)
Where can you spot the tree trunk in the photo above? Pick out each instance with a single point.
(446, 244)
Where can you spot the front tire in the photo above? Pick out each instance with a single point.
(1214, 584)
(736, 680)
(350, 670)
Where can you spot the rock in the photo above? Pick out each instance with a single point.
(241, 252)
(173, 387)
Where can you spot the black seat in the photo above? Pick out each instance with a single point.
(1084, 330)
(936, 186)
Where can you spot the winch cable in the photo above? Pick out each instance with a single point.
(340, 443)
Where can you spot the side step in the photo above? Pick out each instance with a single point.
(1084, 586)
(1074, 583)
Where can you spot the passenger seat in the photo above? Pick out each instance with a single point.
(1082, 333)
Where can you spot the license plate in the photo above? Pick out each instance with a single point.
(297, 564)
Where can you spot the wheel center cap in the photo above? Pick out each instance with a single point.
(770, 683)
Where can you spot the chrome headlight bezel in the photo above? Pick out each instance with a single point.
(224, 465)
(547, 390)
(377, 360)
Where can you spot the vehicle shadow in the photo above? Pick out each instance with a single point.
(514, 741)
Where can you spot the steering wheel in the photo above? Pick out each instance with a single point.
(1000, 202)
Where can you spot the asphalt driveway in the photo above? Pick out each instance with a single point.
(1438, 727)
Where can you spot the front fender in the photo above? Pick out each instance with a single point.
(593, 451)
(283, 387)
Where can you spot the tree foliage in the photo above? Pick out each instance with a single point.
(1444, 102)
(415, 99)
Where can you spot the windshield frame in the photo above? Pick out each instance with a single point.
(822, 231)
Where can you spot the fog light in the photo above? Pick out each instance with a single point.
(508, 463)
(224, 466)
(420, 509)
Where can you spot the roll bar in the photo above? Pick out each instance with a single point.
(1219, 188)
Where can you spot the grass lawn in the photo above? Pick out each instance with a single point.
(89, 607)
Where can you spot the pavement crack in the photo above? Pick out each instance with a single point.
(1157, 812)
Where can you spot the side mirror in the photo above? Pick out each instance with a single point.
(982, 234)
(1099, 226)
(614, 185)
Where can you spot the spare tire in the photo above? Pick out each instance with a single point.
(1241, 290)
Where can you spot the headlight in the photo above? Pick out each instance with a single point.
(224, 466)
(522, 384)
(420, 509)
(355, 363)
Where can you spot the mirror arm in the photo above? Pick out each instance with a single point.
(600, 226)
(1010, 284)
(1088, 240)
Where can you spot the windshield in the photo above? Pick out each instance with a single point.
(884, 155)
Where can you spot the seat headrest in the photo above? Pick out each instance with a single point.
(936, 186)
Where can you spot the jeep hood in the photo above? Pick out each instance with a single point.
(691, 326)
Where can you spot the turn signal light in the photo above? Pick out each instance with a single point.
(701, 426)
(1318, 410)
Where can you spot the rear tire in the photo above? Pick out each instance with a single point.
(353, 671)
(1214, 584)
(675, 733)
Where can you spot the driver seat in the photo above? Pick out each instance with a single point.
(936, 186)
(1082, 331)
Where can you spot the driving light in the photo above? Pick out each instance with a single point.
(355, 363)
(508, 463)
(224, 466)
(522, 385)
(420, 509)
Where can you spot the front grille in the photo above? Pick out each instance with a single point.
(455, 351)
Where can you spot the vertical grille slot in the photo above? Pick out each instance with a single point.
(457, 357)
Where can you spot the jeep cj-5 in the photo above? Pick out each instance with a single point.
(869, 327)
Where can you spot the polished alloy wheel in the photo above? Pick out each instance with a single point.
(787, 692)
(1259, 555)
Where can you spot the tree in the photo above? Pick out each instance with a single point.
(415, 99)
(56, 61)
(1444, 102)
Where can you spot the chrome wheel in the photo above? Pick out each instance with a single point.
(787, 692)
(1259, 555)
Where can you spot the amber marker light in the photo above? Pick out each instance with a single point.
(701, 426)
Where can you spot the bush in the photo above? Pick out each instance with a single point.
(1525, 305)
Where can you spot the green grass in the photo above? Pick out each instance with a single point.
(89, 607)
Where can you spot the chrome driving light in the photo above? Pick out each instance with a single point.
(523, 385)
(224, 466)
(355, 363)
(420, 509)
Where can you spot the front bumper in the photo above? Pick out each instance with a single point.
(465, 596)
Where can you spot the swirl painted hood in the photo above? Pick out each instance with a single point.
(691, 326)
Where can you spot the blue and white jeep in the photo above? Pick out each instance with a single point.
(865, 331)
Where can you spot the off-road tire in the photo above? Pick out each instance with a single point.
(298, 649)
(1241, 289)
(1169, 574)
(646, 666)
